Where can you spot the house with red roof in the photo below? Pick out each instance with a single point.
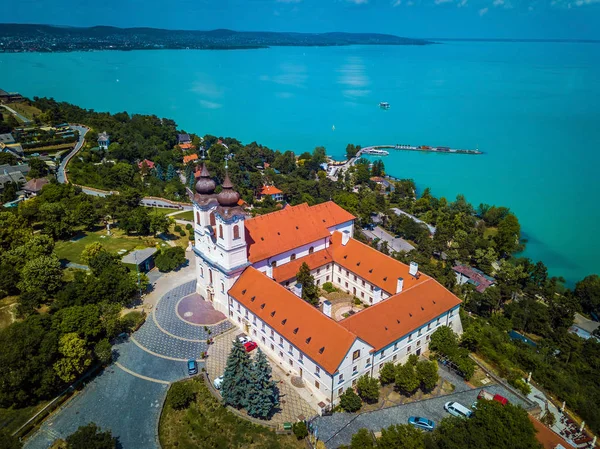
(247, 268)
(272, 191)
(149, 164)
(190, 158)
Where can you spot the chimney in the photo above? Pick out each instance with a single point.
(298, 290)
(414, 268)
(270, 271)
(399, 285)
(327, 308)
(345, 237)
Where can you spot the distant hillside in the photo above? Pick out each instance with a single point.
(48, 38)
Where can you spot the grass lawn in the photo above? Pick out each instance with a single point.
(207, 424)
(26, 110)
(176, 238)
(162, 210)
(7, 310)
(71, 249)
(185, 215)
(11, 419)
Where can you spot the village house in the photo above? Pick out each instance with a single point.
(272, 191)
(183, 139)
(246, 267)
(34, 186)
(466, 274)
(103, 140)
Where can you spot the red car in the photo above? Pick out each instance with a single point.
(250, 346)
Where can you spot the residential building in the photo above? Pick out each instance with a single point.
(5, 169)
(149, 164)
(103, 140)
(247, 267)
(190, 158)
(7, 139)
(143, 259)
(34, 186)
(10, 97)
(271, 191)
(183, 139)
(466, 274)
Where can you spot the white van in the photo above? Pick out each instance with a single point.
(456, 409)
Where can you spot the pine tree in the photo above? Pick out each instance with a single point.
(191, 181)
(159, 173)
(171, 173)
(264, 394)
(237, 378)
(309, 290)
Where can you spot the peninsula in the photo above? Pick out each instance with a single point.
(16, 38)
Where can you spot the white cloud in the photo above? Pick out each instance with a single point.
(462, 3)
(359, 2)
(288, 1)
(498, 2)
(483, 11)
(396, 3)
(439, 2)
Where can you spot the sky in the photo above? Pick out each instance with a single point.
(511, 19)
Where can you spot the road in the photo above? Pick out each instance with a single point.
(412, 217)
(25, 120)
(60, 173)
(394, 243)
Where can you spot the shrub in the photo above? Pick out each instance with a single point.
(188, 227)
(182, 233)
(177, 228)
(329, 288)
(132, 320)
(300, 430)
(103, 351)
(91, 436)
(357, 301)
(350, 401)
(427, 372)
(413, 359)
(520, 385)
(181, 395)
(170, 258)
(406, 379)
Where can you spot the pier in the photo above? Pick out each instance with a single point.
(421, 148)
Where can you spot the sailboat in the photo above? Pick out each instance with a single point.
(333, 128)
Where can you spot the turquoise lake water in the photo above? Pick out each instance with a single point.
(533, 108)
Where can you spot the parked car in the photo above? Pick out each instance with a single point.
(243, 338)
(218, 382)
(250, 346)
(456, 409)
(490, 397)
(421, 423)
(192, 367)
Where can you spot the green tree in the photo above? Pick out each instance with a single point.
(76, 357)
(387, 373)
(103, 352)
(237, 378)
(43, 274)
(170, 259)
(300, 430)
(587, 292)
(91, 437)
(37, 168)
(427, 373)
(402, 436)
(87, 214)
(29, 301)
(9, 193)
(159, 223)
(13, 231)
(509, 234)
(406, 379)
(58, 220)
(368, 389)
(7, 441)
(158, 172)
(171, 173)
(350, 401)
(90, 251)
(263, 396)
(181, 395)
(310, 292)
(363, 439)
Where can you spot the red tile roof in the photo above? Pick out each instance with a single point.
(270, 190)
(289, 228)
(290, 270)
(322, 339)
(149, 163)
(393, 318)
(372, 265)
(191, 157)
(186, 146)
(547, 437)
(35, 185)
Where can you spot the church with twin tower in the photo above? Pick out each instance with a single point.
(247, 268)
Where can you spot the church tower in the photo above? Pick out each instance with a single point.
(220, 239)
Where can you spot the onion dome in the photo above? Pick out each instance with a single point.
(205, 184)
(228, 197)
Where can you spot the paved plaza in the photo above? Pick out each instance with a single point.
(294, 401)
(127, 397)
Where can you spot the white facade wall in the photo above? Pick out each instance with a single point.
(322, 274)
(346, 226)
(285, 257)
(368, 293)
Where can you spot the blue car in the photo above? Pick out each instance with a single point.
(421, 423)
(192, 367)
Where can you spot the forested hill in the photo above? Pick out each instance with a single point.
(48, 38)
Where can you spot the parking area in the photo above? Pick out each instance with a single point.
(337, 430)
(394, 243)
(295, 401)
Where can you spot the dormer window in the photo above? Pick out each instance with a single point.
(293, 257)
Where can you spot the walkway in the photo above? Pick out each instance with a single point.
(60, 173)
(127, 396)
(397, 211)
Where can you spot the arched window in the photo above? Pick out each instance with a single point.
(220, 231)
(311, 250)
(213, 220)
(222, 287)
(201, 272)
(293, 257)
(236, 232)
(198, 217)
